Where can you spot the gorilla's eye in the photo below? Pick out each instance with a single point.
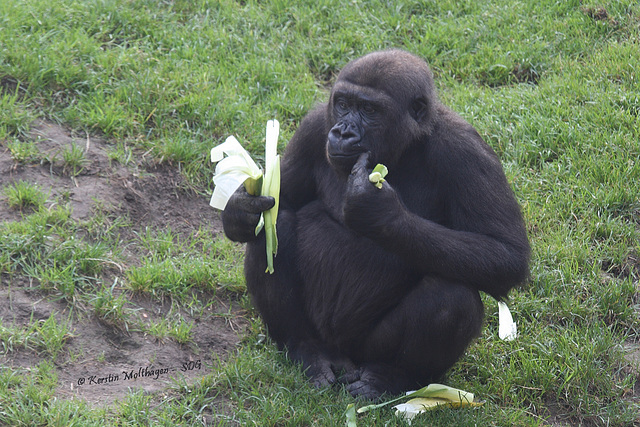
(368, 109)
(341, 105)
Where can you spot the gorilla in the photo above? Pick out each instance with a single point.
(377, 289)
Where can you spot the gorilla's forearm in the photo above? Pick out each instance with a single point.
(486, 263)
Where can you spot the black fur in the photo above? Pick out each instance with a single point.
(374, 288)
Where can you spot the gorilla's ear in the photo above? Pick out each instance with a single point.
(418, 109)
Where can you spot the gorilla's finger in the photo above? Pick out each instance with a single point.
(359, 177)
(361, 163)
(257, 204)
(363, 389)
(249, 203)
(323, 378)
(349, 376)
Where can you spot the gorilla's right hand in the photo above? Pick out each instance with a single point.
(242, 213)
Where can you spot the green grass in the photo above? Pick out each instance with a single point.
(170, 267)
(48, 335)
(15, 116)
(175, 328)
(73, 160)
(22, 152)
(23, 194)
(552, 86)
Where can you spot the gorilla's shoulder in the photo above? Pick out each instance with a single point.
(459, 142)
(307, 145)
(316, 117)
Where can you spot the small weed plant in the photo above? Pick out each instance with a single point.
(22, 195)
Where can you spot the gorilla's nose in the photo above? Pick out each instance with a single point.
(346, 133)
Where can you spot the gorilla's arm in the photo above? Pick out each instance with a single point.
(484, 242)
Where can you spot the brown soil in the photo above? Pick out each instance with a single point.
(102, 362)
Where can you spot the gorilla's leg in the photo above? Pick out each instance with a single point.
(419, 340)
(278, 298)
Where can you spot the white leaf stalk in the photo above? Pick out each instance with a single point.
(271, 187)
(507, 329)
(239, 168)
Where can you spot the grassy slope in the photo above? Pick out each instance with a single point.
(553, 87)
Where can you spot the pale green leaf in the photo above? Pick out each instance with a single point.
(352, 420)
(271, 187)
(377, 175)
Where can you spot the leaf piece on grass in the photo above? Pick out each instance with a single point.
(428, 397)
(377, 175)
(507, 329)
(433, 396)
(419, 405)
(352, 420)
(432, 390)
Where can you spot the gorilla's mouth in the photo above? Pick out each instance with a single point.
(343, 161)
(344, 154)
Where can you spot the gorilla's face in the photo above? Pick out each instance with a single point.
(371, 110)
(357, 121)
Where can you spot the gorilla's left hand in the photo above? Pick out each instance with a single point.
(369, 210)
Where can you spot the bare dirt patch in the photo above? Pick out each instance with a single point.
(101, 362)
